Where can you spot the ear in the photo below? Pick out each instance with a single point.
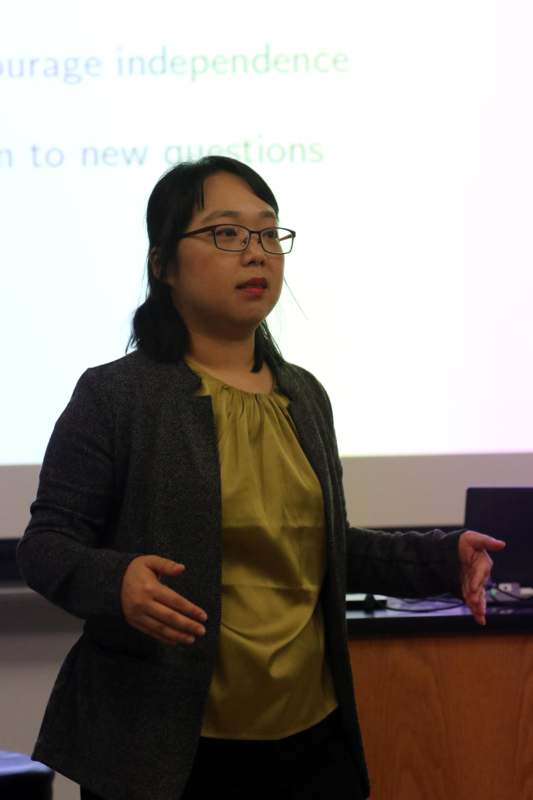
(155, 264)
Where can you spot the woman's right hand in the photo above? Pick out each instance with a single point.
(154, 608)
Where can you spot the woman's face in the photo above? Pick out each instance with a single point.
(204, 282)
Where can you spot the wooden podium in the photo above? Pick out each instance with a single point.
(446, 714)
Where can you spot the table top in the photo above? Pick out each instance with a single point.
(434, 617)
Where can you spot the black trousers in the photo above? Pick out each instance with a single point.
(312, 765)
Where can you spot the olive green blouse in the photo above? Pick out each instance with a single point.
(271, 675)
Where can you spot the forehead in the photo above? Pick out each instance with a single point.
(226, 191)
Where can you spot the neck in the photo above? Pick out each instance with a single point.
(234, 356)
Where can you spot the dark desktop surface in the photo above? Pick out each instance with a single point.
(434, 617)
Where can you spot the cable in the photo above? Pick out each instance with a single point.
(495, 587)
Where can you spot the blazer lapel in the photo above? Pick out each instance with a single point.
(304, 412)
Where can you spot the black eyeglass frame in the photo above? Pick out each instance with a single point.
(212, 229)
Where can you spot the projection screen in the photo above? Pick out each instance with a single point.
(396, 137)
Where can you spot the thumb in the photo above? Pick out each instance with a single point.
(496, 544)
(163, 566)
(489, 542)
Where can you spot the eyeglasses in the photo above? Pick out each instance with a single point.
(233, 238)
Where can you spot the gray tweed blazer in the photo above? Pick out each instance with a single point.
(132, 468)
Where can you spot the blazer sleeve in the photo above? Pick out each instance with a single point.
(61, 554)
(401, 563)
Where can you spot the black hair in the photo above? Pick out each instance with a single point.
(158, 329)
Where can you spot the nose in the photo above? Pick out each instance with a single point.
(254, 248)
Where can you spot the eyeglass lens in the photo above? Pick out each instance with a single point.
(235, 237)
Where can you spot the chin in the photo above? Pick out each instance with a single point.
(251, 323)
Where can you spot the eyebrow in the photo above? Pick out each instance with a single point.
(236, 214)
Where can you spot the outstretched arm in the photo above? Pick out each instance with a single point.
(415, 564)
(403, 563)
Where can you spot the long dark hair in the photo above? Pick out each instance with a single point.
(157, 327)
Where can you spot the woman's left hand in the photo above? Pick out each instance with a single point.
(476, 565)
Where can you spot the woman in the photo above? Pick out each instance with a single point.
(190, 509)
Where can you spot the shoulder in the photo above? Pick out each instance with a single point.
(103, 379)
(133, 376)
(133, 369)
(125, 368)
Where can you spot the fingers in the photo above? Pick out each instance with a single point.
(478, 607)
(479, 616)
(477, 572)
(154, 608)
(476, 602)
(160, 632)
(166, 625)
(168, 597)
(478, 581)
(163, 566)
(473, 585)
(170, 627)
(163, 615)
(475, 598)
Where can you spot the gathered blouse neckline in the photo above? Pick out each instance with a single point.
(223, 385)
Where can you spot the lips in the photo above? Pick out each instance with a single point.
(261, 282)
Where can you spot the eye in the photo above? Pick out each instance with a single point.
(271, 233)
(227, 231)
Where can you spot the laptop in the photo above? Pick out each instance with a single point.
(505, 513)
